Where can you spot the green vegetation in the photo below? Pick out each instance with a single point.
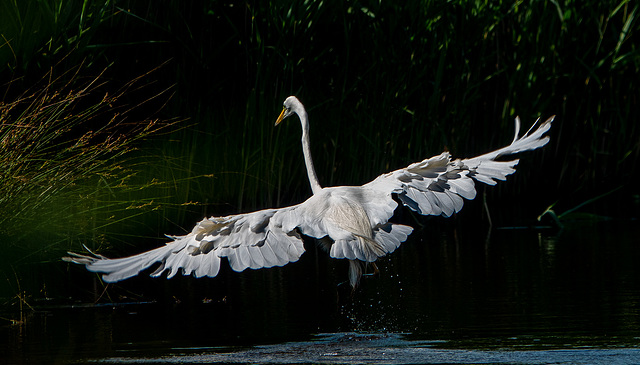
(385, 84)
(68, 171)
(36, 33)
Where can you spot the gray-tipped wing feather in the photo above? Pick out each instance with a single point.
(353, 219)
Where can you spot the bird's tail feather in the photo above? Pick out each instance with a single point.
(386, 238)
(363, 250)
(356, 268)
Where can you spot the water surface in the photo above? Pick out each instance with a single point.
(448, 295)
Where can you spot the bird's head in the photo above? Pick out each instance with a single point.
(290, 106)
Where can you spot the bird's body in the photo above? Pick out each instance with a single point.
(354, 220)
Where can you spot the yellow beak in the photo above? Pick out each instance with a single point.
(281, 117)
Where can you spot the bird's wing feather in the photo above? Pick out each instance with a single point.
(438, 185)
(266, 238)
(252, 240)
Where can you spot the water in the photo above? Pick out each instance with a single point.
(449, 295)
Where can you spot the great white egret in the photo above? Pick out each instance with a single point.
(351, 220)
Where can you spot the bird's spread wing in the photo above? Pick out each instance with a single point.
(355, 218)
(438, 185)
(267, 238)
(253, 240)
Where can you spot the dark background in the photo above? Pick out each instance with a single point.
(384, 84)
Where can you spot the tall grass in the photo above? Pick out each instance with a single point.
(35, 34)
(387, 84)
(66, 160)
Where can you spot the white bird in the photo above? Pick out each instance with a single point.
(352, 221)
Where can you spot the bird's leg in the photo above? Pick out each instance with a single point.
(356, 268)
(375, 269)
(375, 272)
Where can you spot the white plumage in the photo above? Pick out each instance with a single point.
(353, 219)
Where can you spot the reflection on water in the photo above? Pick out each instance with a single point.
(448, 296)
(386, 349)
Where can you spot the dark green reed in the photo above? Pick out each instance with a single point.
(68, 163)
(385, 84)
(388, 84)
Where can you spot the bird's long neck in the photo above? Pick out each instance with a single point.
(306, 151)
